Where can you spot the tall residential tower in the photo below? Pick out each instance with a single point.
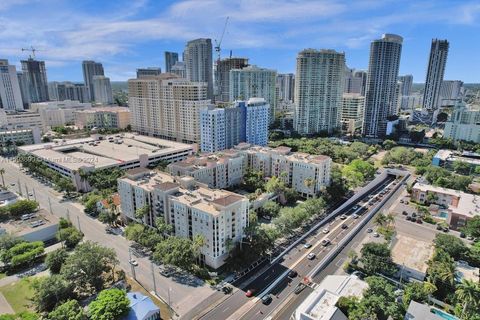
(435, 72)
(170, 59)
(91, 69)
(198, 63)
(222, 76)
(36, 79)
(381, 92)
(10, 94)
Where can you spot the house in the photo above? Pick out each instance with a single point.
(104, 205)
(419, 311)
(141, 308)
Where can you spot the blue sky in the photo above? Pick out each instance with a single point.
(126, 34)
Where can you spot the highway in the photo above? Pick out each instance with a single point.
(238, 306)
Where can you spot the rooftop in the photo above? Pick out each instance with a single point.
(419, 311)
(34, 222)
(141, 307)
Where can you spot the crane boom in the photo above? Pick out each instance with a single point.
(218, 43)
(32, 50)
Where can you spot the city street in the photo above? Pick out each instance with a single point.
(183, 296)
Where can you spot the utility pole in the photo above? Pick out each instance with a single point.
(78, 221)
(68, 215)
(26, 191)
(19, 187)
(35, 195)
(132, 267)
(50, 205)
(153, 278)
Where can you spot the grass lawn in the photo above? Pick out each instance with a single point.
(164, 310)
(2, 275)
(18, 294)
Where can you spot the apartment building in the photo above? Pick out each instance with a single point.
(103, 117)
(19, 136)
(455, 207)
(352, 113)
(167, 107)
(58, 113)
(20, 120)
(190, 207)
(306, 174)
(463, 124)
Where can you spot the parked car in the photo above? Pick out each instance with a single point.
(227, 289)
(344, 226)
(355, 216)
(408, 218)
(446, 229)
(292, 274)
(250, 293)
(414, 214)
(325, 242)
(369, 230)
(439, 227)
(463, 235)
(419, 221)
(405, 213)
(133, 262)
(326, 230)
(343, 217)
(376, 235)
(307, 245)
(266, 299)
(299, 288)
(311, 256)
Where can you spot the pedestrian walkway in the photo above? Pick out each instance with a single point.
(5, 307)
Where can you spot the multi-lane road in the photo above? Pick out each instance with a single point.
(274, 280)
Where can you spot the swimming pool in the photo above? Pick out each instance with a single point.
(442, 314)
(443, 214)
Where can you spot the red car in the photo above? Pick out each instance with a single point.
(250, 293)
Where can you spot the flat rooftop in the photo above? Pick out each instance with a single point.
(412, 253)
(111, 151)
(37, 221)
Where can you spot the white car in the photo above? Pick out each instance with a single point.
(376, 235)
(307, 245)
(133, 262)
(355, 216)
(326, 230)
(311, 256)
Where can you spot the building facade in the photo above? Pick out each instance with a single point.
(148, 72)
(463, 124)
(192, 209)
(170, 59)
(61, 91)
(286, 87)
(222, 76)
(58, 113)
(91, 69)
(179, 69)
(21, 120)
(318, 91)
(254, 82)
(10, 94)
(355, 81)
(381, 90)
(435, 72)
(198, 63)
(102, 90)
(103, 117)
(36, 79)
(451, 91)
(352, 113)
(167, 107)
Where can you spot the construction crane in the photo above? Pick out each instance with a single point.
(32, 50)
(218, 43)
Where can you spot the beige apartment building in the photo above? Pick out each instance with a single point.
(168, 107)
(190, 207)
(103, 117)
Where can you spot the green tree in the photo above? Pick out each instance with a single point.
(388, 144)
(69, 310)
(69, 236)
(472, 227)
(252, 180)
(452, 245)
(110, 304)
(23, 253)
(417, 291)
(175, 251)
(141, 212)
(461, 167)
(377, 258)
(55, 260)
(468, 295)
(91, 205)
(50, 292)
(134, 231)
(163, 228)
(275, 185)
(66, 185)
(270, 208)
(22, 207)
(25, 315)
(87, 266)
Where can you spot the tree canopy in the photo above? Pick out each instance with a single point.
(110, 304)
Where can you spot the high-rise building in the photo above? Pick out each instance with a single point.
(198, 63)
(36, 77)
(170, 59)
(61, 91)
(10, 94)
(25, 93)
(102, 90)
(318, 91)
(222, 76)
(91, 69)
(355, 81)
(168, 107)
(435, 72)
(179, 69)
(463, 124)
(254, 82)
(451, 91)
(363, 76)
(286, 86)
(352, 113)
(407, 83)
(381, 91)
(148, 72)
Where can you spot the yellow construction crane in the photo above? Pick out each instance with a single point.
(218, 43)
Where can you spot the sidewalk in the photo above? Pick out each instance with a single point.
(5, 307)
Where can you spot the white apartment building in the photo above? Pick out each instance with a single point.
(352, 113)
(103, 117)
(319, 85)
(21, 120)
(167, 107)
(463, 124)
(58, 113)
(20, 136)
(190, 207)
(306, 174)
(254, 82)
(10, 94)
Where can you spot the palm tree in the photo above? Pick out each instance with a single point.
(469, 293)
(309, 183)
(2, 172)
(380, 220)
(389, 219)
(198, 242)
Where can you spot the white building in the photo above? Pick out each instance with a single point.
(20, 136)
(198, 63)
(124, 151)
(463, 124)
(102, 90)
(352, 113)
(167, 107)
(179, 69)
(320, 304)
(91, 69)
(381, 93)
(21, 120)
(61, 91)
(254, 82)
(256, 121)
(286, 87)
(319, 85)
(58, 113)
(435, 72)
(10, 94)
(103, 117)
(450, 92)
(191, 208)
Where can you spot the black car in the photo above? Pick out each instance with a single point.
(462, 235)
(445, 229)
(292, 274)
(414, 215)
(405, 213)
(344, 226)
(408, 218)
(266, 299)
(299, 288)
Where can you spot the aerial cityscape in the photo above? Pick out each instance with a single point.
(214, 160)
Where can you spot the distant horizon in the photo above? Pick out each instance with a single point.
(126, 35)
